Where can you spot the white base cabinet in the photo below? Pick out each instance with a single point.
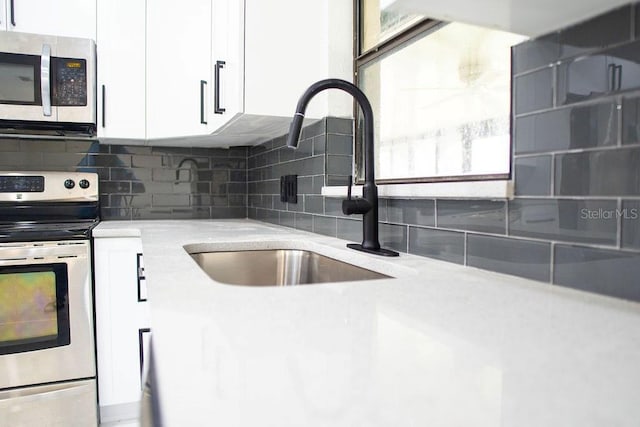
(122, 326)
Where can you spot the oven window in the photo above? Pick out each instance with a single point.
(34, 309)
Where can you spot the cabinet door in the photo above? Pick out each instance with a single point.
(228, 61)
(70, 18)
(121, 68)
(3, 15)
(178, 68)
(119, 318)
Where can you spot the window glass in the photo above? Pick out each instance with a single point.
(381, 21)
(441, 104)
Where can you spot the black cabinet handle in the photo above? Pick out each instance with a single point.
(104, 114)
(216, 102)
(203, 85)
(13, 14)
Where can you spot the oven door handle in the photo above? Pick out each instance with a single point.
(44, 254)
(45, 79)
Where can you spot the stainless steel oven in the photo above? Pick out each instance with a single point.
(47, 84)
(47, 351)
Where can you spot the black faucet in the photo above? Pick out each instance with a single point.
(368, 204)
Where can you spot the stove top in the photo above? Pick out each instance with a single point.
(48, 206)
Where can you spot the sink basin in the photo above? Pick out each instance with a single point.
(278, 267)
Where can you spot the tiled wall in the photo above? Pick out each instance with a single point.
(144, 182)
(575, 220)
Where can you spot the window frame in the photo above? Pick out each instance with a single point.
(361, 59)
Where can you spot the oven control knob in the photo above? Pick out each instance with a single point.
(69, 184)
(84, 183)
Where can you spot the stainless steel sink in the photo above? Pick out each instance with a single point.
(278, 267)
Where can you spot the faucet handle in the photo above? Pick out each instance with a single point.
(354, 206)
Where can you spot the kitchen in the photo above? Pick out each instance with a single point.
(503, 332)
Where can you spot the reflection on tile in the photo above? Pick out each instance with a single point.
(475, 215)
(438, 244)
(604, 272)
(511, 256)
(418, 212)
(567, 128)
(631, 120)
(533, 91)
(598, 173)
(535, 53)
(581, 221)
(630, 216)
(594, 76)
(612, 27)
(532, 176)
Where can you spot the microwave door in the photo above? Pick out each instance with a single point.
(22, 93)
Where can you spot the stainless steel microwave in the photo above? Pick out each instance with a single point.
(47, 84)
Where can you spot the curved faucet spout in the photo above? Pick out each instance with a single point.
(369, 210)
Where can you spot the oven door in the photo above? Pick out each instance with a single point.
(46, 321)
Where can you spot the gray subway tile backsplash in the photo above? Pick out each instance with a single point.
(439, 244)
(613, 28)
(349, 229)
(613, 273)
(577, 180)
(630, 217)
(325, 225)
(511, 256)
(534, 91)
(603, 74)
(535, 53)
(582, 221)
(532, 175)
(474, 215)
(598, 173)
(415, 212)
(581, 126)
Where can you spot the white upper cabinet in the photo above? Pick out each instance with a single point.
(121, 69)
(288, 45)
(70, 18)
(527, 17)
(178, 68)
(227, 74)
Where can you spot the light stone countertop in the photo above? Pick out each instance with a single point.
(438, 345)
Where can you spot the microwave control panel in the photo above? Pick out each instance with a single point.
(69, 81)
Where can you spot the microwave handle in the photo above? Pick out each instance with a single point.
(45, 82)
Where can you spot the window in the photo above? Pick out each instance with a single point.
(441, 96)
